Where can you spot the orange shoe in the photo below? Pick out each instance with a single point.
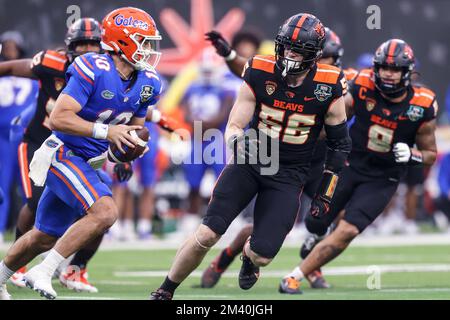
(77, 280)
(290, 285)
(17, 278)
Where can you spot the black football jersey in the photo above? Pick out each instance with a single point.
(294, 116)
(379, 124)
(49, 67)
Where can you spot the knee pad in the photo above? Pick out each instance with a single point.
(216, 224)
(264, 248)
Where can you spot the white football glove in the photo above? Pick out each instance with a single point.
(402, 152)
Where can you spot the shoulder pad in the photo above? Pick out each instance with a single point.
(54, 60)
(327, 74)
(264, 63)
(423, 97)
(350, 74)
(365, 79)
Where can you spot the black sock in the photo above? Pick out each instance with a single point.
(226, 258)
(82, 258)
(18, 234)
(169, 285)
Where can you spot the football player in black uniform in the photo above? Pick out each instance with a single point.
(391, 116)
(286, 99)
(49, 68)
(331, 54)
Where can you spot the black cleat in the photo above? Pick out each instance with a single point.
(308, 245)
(312, 240)
(249, 273)
(161, 294)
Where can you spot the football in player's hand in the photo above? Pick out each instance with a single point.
(141, 136)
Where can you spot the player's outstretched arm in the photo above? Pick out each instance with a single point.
(241, 113)
(64, 118)
(17, 68)
(234, 61)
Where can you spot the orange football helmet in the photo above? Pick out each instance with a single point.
(132, 34)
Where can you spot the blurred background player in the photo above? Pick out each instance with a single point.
(16, 95)
(332, 55)
(208, 103)
(392, 116)
(49, 68)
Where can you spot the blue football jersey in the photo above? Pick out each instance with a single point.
(16, 95)
(93, 81)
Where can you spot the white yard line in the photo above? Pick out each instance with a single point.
(331, 271)
(291, 242)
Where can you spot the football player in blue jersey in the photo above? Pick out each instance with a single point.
(106, 97)
(16, 95)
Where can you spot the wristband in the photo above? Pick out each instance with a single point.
(100, 131)
(416, 157)
(231, 56)
(156, 116)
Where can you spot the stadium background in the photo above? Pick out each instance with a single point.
(422, 24)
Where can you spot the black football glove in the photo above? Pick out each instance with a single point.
(222, 46)
(123, 171)
(244, 148)
(319, 207)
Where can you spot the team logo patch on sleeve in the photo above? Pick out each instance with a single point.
(370, 104)
(59, 84)
(322, 92)
(270, 87)
(146, 93)
(414, 113)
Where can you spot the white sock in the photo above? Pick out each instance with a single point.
(5, 273)
(51, 262)
(296, 274)
(144, 226)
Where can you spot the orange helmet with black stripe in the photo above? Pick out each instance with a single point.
(397, 54)
(132, 34)
(302, 33)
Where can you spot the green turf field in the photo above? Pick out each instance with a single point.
(134, 274)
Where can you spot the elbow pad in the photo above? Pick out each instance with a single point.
(339, 146)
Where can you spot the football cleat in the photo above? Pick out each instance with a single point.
(39, 281)
(312, 240)
(290, 285)
(212, 274)
(17, 278)
(317, 281)
(4, 295)
(249, 273)
(161, 294)
(76, 280)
